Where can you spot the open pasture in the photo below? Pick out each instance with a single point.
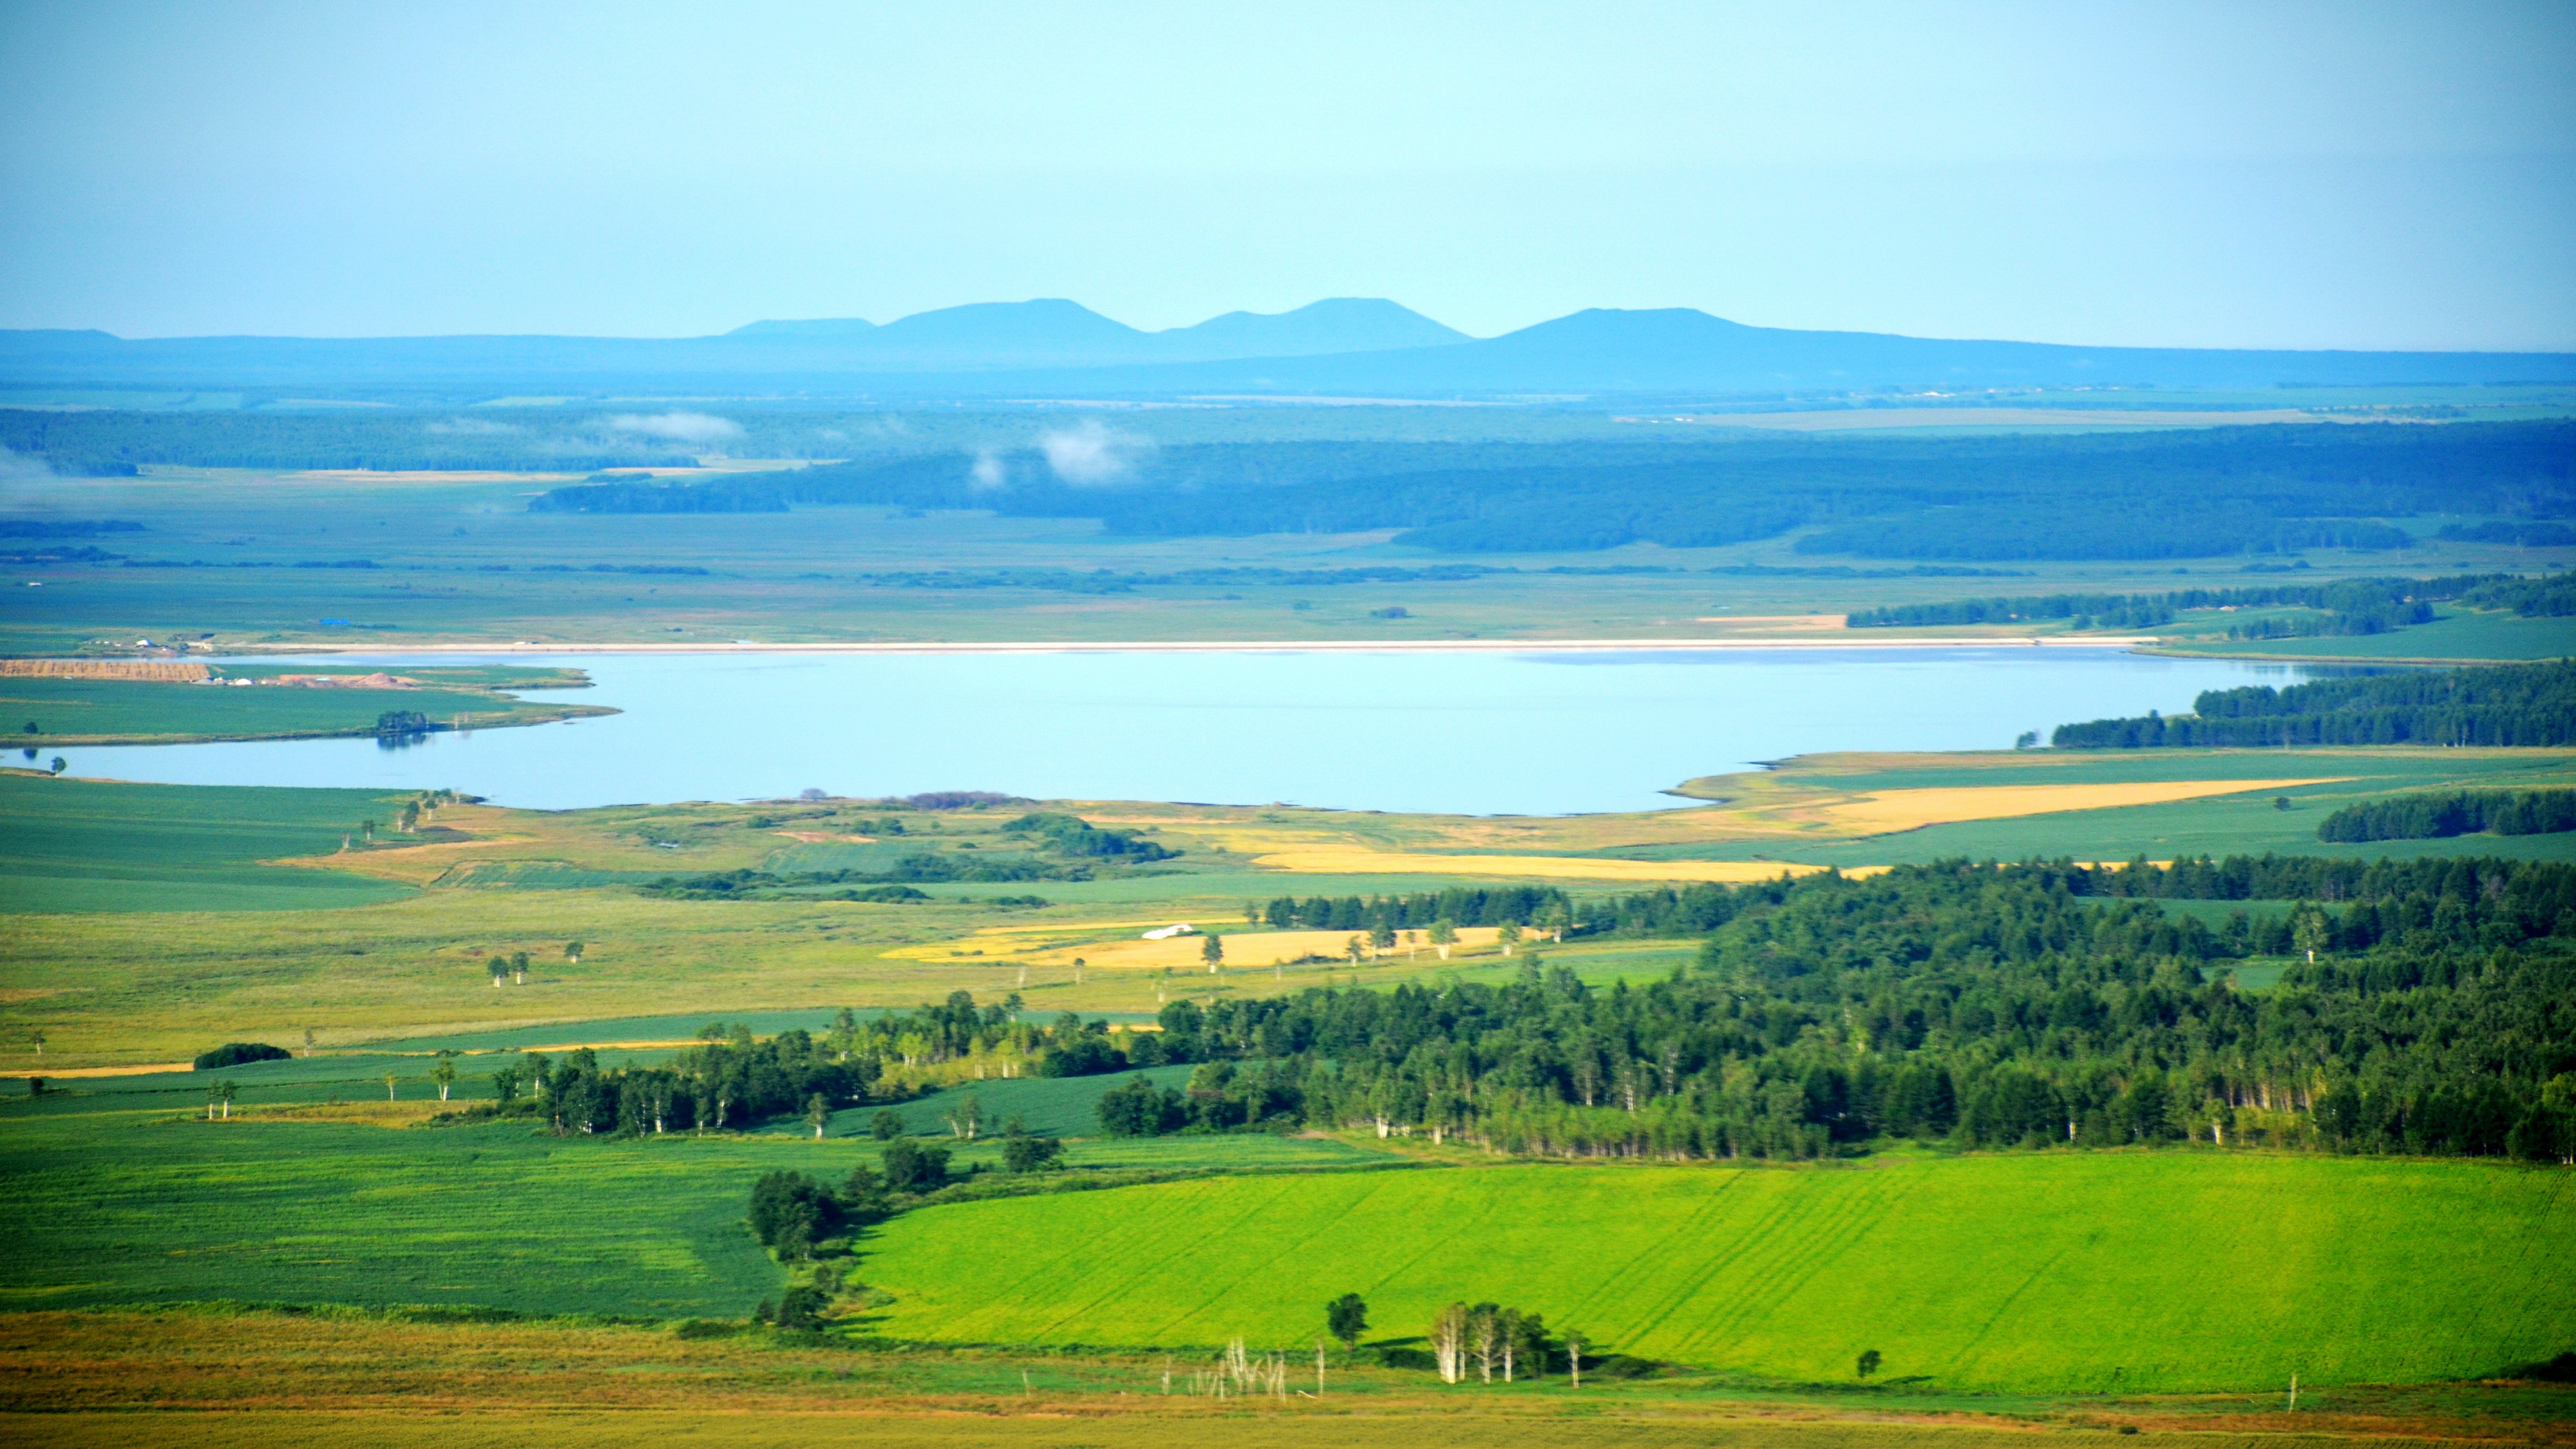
(2167, 1272)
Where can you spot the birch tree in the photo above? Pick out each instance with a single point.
(444, 1074)
(1449, 1342)
(1485, 1337)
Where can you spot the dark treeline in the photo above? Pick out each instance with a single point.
(2526, 535)
(2099, 531)
(2439, 816)
(2188, 494)
(1667, 911)
(2503, 704)
(2352, 606)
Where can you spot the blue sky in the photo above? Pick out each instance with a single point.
(2338, 175)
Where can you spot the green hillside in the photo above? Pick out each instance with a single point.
(2163, 1272)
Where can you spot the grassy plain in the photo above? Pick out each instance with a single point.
(458, 555)
(2166, 1272)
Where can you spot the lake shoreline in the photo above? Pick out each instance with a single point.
(1235, 646)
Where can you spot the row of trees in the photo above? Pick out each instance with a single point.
(2526, 704)
(2348, 606)
(2443, 814)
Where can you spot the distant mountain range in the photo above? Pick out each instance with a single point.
(1342, 346)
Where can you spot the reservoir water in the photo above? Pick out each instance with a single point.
(1534, 733)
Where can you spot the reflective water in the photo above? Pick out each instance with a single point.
(1481, 733)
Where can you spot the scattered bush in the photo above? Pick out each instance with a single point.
(236, 1053)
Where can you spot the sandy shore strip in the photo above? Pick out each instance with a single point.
(1233, 646)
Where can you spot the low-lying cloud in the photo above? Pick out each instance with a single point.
(679, 427)
(18, 468)
(1089, 455)
(988, 472)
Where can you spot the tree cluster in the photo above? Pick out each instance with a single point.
(2505, 704)
(2441, 815)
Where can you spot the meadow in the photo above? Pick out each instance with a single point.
(2169, 1272)
(54, 711)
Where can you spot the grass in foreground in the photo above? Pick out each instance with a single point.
(223, 1376)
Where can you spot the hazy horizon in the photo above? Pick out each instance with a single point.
(2275, 176)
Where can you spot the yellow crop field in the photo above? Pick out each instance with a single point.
(1908, 809)
(146, 670)
(1522, 867)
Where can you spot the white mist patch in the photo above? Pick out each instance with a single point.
(988, 472)
(21, 468)
(1089, 454)
(679, 427)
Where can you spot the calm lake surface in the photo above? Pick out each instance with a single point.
(1477, 733)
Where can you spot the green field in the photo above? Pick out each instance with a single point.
(129, 1195)
(2150, 1273)
(42, 711)
(73, 846)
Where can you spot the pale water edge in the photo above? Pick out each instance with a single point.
(1528, 731)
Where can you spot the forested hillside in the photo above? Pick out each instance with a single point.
(1989, 1005)
(2525, 704)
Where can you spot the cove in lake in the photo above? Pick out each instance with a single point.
(1467, 733)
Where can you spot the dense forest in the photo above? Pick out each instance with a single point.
(2511, 704)
(2349, 606)
(2440, 815)
(2429, 1007)
(2261, 490)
